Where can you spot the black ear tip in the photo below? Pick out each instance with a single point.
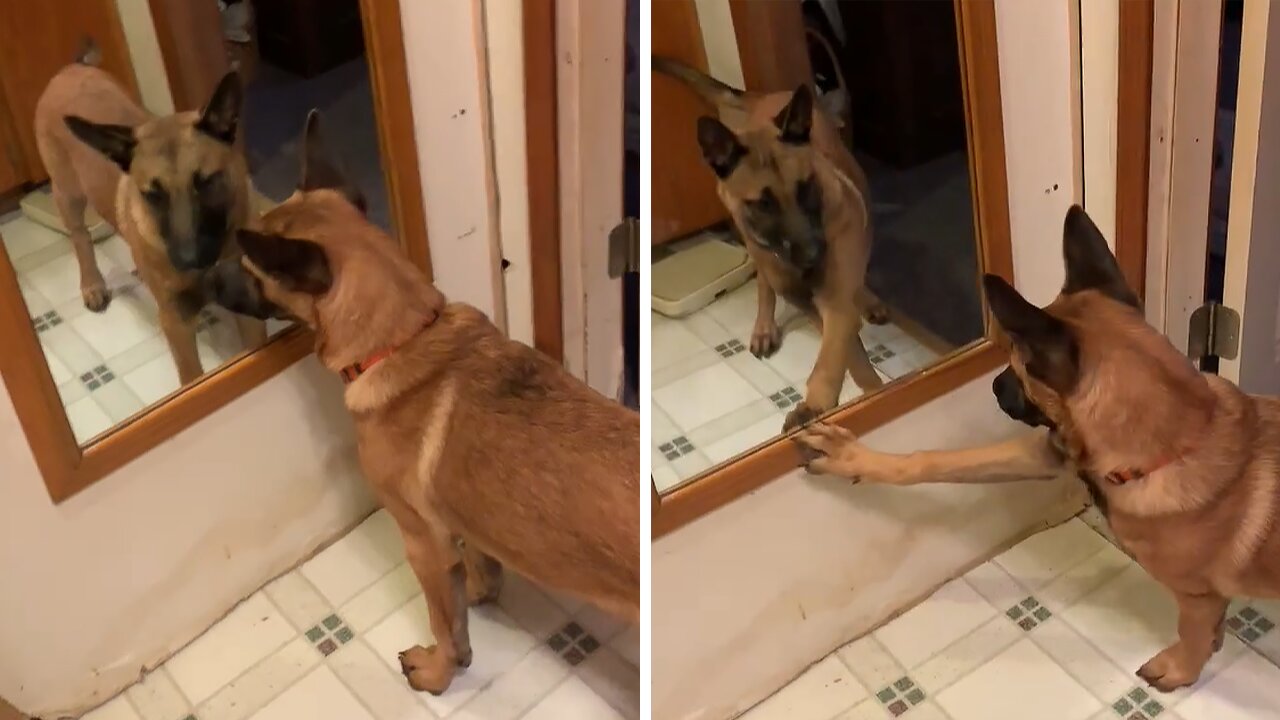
(994, 283)
(313, 121)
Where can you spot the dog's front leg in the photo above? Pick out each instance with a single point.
(253, 332)
(822, 391)
(834, 450)
(93, 288)
(1200, 621)
(766, 338)
(180, 333)
(439, 568)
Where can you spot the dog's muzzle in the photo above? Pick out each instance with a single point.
(1012, 399)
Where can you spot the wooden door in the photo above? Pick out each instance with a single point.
(35, 42)
(684, 192)
(195, 58)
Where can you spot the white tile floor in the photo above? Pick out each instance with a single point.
(321, 643)
(713, 400)
(1054, 628)
(107, 366)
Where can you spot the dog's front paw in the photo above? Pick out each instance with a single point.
(877, 314)
(427, 669)
(96, 296)
(766, 338)
(1170, 670)
(798, 416)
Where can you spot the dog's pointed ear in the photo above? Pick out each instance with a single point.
(720, 147)
(1090, 263)
(320, 168)
(1049, 351)
(796, 119)
(221, 116)
(115, 141)
(298, 265)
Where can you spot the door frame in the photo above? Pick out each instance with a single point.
(590, 43)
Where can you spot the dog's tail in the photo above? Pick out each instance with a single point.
(708, 88)
(90, 53)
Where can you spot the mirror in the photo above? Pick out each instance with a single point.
(814, 245)
(125, 214)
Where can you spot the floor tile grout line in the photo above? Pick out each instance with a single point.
(325, 661)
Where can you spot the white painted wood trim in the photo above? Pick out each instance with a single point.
(504, 53)
(444, 50)
(1099, 82)
(590, 44)
(1164, 55)
(1194, 114)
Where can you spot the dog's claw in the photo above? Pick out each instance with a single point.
(801, 415)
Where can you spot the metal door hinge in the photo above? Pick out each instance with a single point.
(624, 248)
(1214, 330)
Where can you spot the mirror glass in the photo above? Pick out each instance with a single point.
(115, 293)
(809, 248)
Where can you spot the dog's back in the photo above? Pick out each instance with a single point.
(517, 456)
(89, 92)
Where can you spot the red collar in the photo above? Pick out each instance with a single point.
(1120, 477)
(1125, 475)
(355, 370)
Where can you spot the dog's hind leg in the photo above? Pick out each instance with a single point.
(484, 576)
(1180, 664)
(440, 570)
(71, 205)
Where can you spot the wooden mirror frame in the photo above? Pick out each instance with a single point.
(979, 68)
(66, 467)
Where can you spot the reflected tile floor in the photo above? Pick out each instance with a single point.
(713, 400)
(107, 366)
(321, 643)
(1053, 629)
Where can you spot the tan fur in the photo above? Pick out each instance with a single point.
(485, 452)
(1206, 525)
(837, 302)
(82, 177)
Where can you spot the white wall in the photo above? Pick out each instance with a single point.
(127, 572)
(747, 597)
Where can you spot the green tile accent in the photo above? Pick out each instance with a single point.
(1249, 614)
(1264, 625)
(1122, 706)
(1249, 634)
(886, 695)
(1042, 613)
(1152, 709)
(903, 685)
(314, 634)
(332, 622)
(344, 635)
(915, 697)
(1030, 603)
(1138, 695)
(1014, 612)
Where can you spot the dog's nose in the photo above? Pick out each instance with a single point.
(1009, 395)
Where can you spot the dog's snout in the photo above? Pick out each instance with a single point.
(1013, 401)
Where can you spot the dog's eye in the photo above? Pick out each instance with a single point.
(206, 182)
(767, 203)
(809, 195)
(155, 194)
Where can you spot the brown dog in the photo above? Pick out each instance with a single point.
(802, 205)
(466, 437)
(1183, 464)
(174, 188)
